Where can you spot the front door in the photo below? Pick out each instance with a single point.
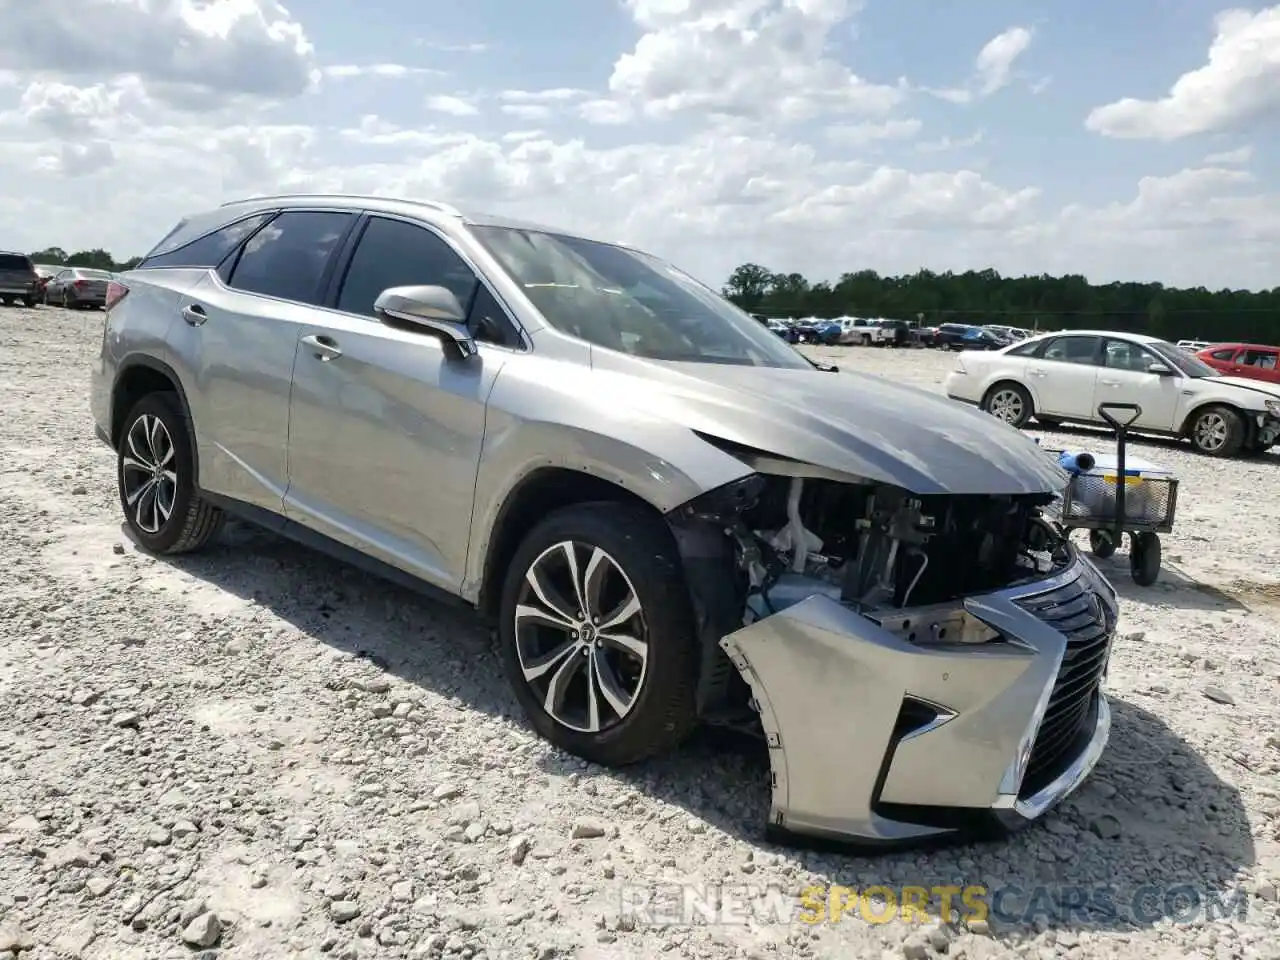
(1125, 377)
(386, 423)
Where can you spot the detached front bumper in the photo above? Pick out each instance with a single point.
(908, 730)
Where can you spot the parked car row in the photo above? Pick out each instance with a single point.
(1063, 378)
(22, 281)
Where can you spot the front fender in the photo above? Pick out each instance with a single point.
(544, 415)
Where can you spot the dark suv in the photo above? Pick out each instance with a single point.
(18, 279)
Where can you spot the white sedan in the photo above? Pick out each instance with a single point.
(1065, 376)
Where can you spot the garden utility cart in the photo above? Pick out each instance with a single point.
(1142, 504)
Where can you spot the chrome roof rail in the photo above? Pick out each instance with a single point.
(439, 205)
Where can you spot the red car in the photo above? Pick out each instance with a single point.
(1251, 360)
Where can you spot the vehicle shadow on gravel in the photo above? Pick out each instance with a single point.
(1174, 587)
(1154, 835)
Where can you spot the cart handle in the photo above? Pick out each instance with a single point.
(1116, 422)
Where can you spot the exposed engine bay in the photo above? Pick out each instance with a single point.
(883, 547)
(874, 548)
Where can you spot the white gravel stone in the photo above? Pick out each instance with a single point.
(127, 723)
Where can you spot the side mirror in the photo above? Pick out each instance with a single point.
(428, 308)
(1160, 369)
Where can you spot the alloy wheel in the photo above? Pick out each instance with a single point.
(1006, 405)
(147, 473)
(1211, 432)
(581, 637)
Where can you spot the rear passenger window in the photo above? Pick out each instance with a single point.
(287, 257)
(209, 250)
(393, 253)
(1264, 359)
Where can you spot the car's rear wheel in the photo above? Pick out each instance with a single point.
(597, 633)
(155, 472)
(1217, 432)
(1009, 402)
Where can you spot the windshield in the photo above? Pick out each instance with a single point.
(631, 302)
(94, 274)
(1178, 358)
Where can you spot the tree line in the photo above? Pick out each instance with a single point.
(1041, 302)
(96, 259)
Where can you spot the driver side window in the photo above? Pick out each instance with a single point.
(393, 253)
(1123, 355)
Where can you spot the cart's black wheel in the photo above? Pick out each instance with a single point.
(1144, 558)
(1101, 544)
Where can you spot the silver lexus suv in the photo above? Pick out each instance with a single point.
(673, 517)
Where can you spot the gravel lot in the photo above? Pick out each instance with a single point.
(257, 752)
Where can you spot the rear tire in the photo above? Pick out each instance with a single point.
(1217, 432)
(1009, 402)
(28, 302)
(155, 474)
(633, 555)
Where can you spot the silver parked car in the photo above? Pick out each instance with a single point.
(77, 288)
(673, 516)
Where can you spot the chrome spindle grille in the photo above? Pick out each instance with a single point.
(1081, 616)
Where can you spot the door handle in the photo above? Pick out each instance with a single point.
(194, 314)
(324, 348)
(1037, 373)
(1111, 383)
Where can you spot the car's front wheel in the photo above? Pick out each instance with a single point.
(1009, 402)
(1217, 432)
(597, 633)
(155, 471)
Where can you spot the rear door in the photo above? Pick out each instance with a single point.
(1260, 363)
(386, 422)
(239, 335)
(1065, 376)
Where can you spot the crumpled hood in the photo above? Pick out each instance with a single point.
(854, 423)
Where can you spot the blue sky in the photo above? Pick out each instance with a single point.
(811, 135)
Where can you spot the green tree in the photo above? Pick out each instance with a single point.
(1035, 302)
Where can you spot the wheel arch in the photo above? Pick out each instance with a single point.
(537, 494)
(137, 376)
(1002, 380)
(1184, 429)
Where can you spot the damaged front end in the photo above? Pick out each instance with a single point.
(920, 666)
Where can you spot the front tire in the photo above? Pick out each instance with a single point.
(1217, 432)
(155, 473)
(1009, 402)
(597, 634)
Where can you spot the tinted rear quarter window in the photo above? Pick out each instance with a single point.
(209, 250)
(287, 257)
